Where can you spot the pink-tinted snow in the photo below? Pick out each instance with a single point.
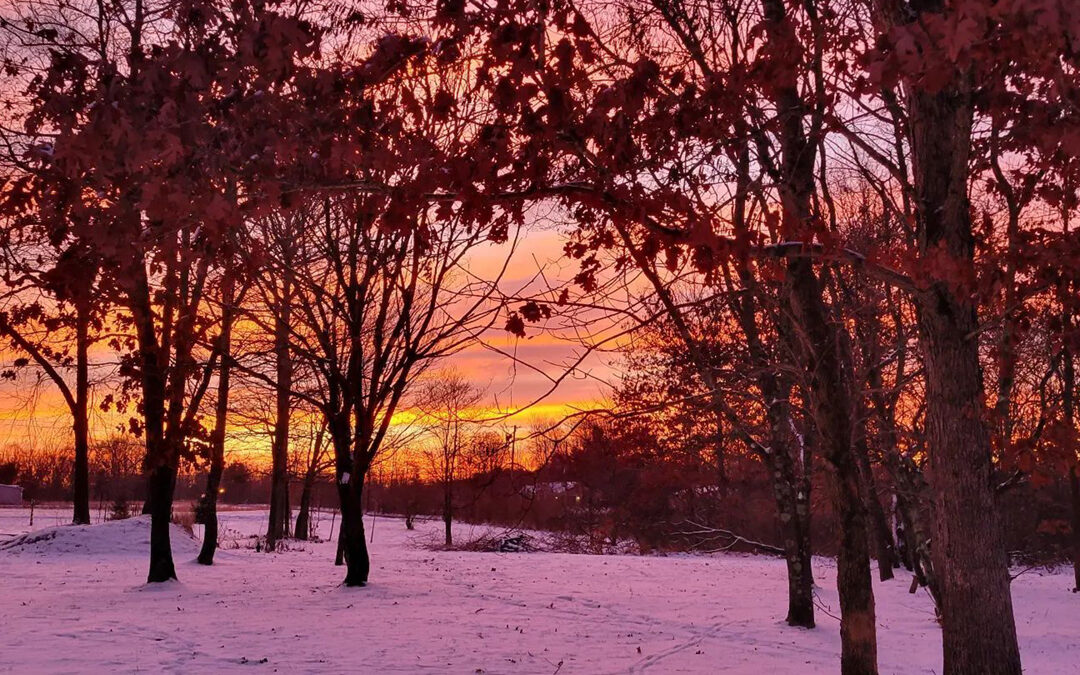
(74, 601)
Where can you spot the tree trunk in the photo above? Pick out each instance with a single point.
(448, 512)
(828, 387)
(884, 546)
(210, 516)
(968, 547)
(339, 557)
(81, 427)
(792, 505)
(217, 439)
(279, 480)
(302, 527)
(353, 541)
(162, 485)
(1068, 403)
(830, 402)
(791, 486)
(911, 502)
(791, 490)
(161, 458)
(1074, 488)
(979, 632)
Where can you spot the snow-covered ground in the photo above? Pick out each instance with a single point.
(72, 600)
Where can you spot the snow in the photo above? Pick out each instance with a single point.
(128, 538)
(75, 602)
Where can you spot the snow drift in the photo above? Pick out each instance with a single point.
(128, 537)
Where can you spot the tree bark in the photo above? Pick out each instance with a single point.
(884, 545)
(978, 629)
(911, 502)
(81, 427)
(301, 526)
(339, 557)
(828, 385)
(790, 476)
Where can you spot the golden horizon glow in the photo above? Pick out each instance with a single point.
(33, 412)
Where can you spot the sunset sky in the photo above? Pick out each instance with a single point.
(32, 411)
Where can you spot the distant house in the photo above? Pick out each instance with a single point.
(10, 495)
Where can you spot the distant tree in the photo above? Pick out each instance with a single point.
(373, 309)
(53, 318)
(316, 459)
(237, 477)
(447, 402)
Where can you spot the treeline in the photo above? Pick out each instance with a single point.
(839, 230)
(620, 486)
(612, 486)
(116, 475)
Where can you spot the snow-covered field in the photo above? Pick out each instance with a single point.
(74, 601)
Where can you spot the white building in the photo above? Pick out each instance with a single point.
(11, 495)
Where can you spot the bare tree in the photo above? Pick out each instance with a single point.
(447, 401)
(373, 308)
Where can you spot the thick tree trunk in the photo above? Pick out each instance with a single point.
(162, 485)
(217, 439)
(978, 629)
(81, 478)
(968, 547)
(161, 458)
(278, 527)
(353, 541)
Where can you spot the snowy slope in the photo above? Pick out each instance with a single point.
(434, 611)
(119, 538)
